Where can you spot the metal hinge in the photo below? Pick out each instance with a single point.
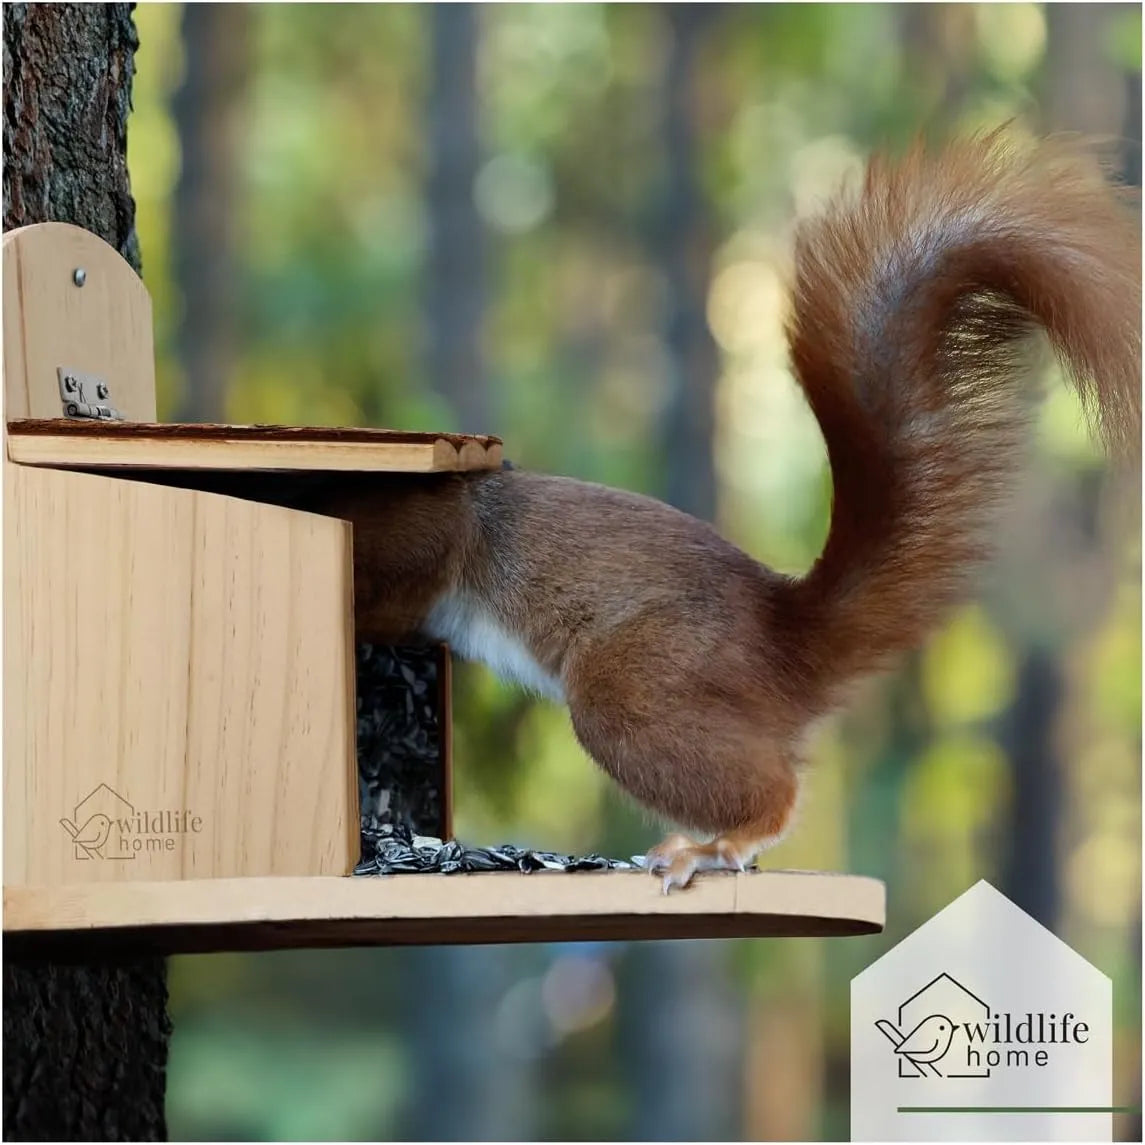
(86, 396)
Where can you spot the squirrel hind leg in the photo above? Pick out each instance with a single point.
(705, 751)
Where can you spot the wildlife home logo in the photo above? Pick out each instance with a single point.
(104, 825)
(982, 1025)
(946, 1030)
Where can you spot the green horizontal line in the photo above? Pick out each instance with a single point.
(1019, 1109)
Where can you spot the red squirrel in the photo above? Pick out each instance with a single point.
(693, 673)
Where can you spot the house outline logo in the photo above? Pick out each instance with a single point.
(106, 825)
(93, 820)
(981, 1025)
(920, 1045)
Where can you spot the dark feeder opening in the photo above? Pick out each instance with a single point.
(403, 779)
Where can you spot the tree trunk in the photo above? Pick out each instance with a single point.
(938, 45)
(1082, 92)
(1131, 174)
(85, 1044)
(206, 107)
(1033, 874)
(455, 296)
(85, 1050)
(1131, 135)
(681, 1030)
(462, 1086)
(67, 92)
(681, 1038)
(683, 247)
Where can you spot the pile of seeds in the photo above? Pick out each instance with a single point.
(396, 850)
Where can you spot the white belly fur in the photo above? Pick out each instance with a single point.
(475, 635)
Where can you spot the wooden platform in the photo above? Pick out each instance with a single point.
(62, 444)
(199, 915)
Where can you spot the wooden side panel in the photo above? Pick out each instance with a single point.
(179, 685)
(102, 327)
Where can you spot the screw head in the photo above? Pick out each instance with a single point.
(70, 384)
(79, 276)
(101, 391)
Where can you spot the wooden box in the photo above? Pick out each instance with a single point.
(179, 663)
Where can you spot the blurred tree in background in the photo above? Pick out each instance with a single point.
(568, 224)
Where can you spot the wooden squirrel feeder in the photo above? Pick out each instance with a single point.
(180, 766)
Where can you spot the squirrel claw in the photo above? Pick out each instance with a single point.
(661, 856)
(679, 858)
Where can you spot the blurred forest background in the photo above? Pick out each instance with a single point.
(567, 225)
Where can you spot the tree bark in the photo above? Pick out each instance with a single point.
(67, 93)
(85, 1050)
(205, 108)
(85, 1044)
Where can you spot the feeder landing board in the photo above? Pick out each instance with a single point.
(180, 758)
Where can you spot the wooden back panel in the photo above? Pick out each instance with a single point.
(101, 328)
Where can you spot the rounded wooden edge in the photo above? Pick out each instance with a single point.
(262, 913)
(50, 237)
(468, 455)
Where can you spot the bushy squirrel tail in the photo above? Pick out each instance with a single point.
(915, 304)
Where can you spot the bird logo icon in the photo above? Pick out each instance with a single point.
(90, 837)
(96, 825)
(925, 1045)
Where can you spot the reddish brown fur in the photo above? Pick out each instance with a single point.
(691, 671)
(913, 306)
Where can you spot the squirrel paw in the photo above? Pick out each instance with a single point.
(678, 858)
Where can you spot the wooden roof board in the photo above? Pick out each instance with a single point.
(74, 444)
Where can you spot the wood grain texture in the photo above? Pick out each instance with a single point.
(186, 657)
(237, 914)
(105, 445)
(101, 328)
